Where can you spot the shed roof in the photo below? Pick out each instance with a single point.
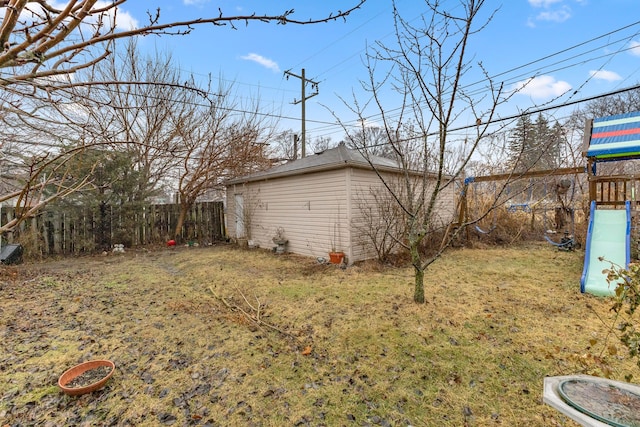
(615, 136)
(333, 158)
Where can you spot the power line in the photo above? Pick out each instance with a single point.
(575, 46)
(389, 113)
(303, 102)
(544, 109)
(516, 116)
(329, 125)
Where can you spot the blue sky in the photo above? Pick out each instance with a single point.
(583, 46)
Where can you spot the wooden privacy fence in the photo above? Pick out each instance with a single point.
(78, 230)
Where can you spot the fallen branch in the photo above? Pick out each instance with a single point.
(253, 318)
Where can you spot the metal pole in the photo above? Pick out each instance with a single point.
(303, 81)
(304, 132)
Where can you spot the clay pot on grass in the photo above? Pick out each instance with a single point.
(86, 377)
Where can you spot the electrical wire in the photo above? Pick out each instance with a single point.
(329, 128)
(389, 113)
(538, 61)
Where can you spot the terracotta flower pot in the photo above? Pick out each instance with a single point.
(80, 369)
(336, 257)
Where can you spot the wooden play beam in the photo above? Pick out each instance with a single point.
(530, 174)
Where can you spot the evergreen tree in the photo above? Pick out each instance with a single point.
(520, 141)
(535, 145)
(557, 140)
(112, 195)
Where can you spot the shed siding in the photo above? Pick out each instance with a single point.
(363, 182)
(446, 204)
(315, 210)
(308, 207)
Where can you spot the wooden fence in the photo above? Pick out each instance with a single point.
(76, 231)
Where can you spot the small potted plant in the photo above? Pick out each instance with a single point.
(280, 240)
(335, 256)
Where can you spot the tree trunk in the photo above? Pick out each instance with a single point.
(418, 294)
(183, 214)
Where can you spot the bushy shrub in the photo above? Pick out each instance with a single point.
(508, 224)
(626, 303)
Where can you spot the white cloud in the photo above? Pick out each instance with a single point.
(541, 87)
(265, 62)
(58, 78)
(559, 15)
(552, 10)
(635, 48)
(124, 20)
(195, 2)
(543, 3)
(609, 76)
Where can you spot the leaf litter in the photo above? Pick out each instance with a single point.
(314, 346)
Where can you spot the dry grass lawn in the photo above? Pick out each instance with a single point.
(332, 347)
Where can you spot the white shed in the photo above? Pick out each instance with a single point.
(316, 200)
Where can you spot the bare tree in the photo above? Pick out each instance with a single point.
(283, 145)
(374, 138)
(135, 109)
(44, 47)
(217, 143)
(45, 38)
(425, 70)
(321, 143)
(181, 135)
(36, 156)
(378, 224)
(129, 114)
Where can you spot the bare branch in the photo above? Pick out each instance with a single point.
(51, 40)
(425, 67)
(66, 89)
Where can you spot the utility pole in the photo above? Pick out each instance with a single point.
(314, 86)
(295, 146)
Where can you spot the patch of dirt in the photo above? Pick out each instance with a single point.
(89, 377)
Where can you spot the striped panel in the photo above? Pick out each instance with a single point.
(615, 136)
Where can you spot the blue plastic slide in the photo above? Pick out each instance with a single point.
(608, 237)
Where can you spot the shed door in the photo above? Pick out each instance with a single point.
(240, 231)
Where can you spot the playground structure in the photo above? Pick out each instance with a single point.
(612, 226)
(613, 212)
(614, 207)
